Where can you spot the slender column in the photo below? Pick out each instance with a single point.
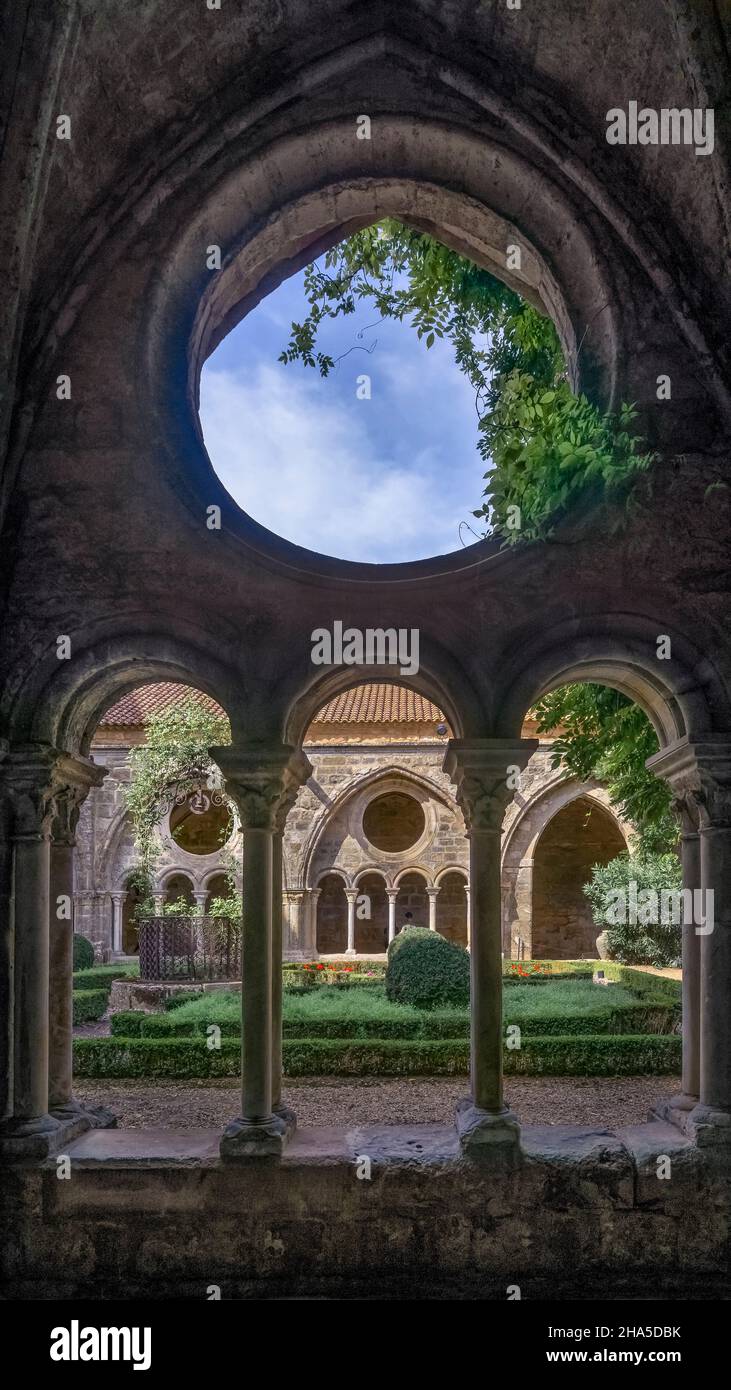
(690, 854)
(351, 895)
(75, 779)
(486, 772)
(392, 894)
(200, 898)
(433, 895)
(469, 925)
(118, 901)
(314, 898)
(277, 924)
(296, 923)
(715, 1069)
(159, 902)
(259, 781)
(7, 949)
(699, 773)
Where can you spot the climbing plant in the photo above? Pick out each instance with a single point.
(544, 446)
(173, 756)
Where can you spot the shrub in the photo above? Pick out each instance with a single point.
(89, 1004)
(181, 997)
(605, 1055)
(626, 901)
(126, 1023)
(103, 976)
(426, 970)
(83, 952)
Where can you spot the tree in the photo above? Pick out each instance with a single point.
(599, 733)
(544, 445)
(636, 900)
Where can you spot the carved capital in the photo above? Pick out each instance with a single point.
(46, 786)
(699, 775)
(262, 782)
(485, 772)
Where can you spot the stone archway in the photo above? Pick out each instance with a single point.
(578, 836)
(332, 916)
(452, 907)
(412, 903)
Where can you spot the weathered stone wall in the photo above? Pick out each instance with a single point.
(325, 831)
(584, 1215)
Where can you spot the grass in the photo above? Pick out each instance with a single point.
(578, 999)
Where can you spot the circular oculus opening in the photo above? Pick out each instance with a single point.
(393, 822)
(198, 828)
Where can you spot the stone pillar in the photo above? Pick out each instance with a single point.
(351, 895)
(75, 777)
(296, 923)
(200, 896)
(118, 901)
(433, 895)
(699, 773)
(7, 945)
(469, 932)
(39, 781)
(486, 774)
(277, 955)
(159, 902)
(392, 894)
(690, 854)
(259, 781)
(314, 898)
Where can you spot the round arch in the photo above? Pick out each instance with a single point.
(519, 850)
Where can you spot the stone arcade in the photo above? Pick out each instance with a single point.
(237, 127)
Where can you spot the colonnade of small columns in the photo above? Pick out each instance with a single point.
(352, 895)
(42, 791)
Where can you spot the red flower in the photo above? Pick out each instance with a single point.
(319, 967)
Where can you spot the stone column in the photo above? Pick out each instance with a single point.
(433, 895)
(699, 772)
(200, 897)
(7, 945)
(259, 780)
(352, 896)
(118, 901)
(690, 855)
(392, 895)
(314, 898)
(469, 933)
(486, 773)
(75, 778)
(295, 923)
(34, 776)
(159, 902)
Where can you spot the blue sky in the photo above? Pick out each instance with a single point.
(384, 479)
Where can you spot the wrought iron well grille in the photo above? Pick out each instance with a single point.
(189, 948)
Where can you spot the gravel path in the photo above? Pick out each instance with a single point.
(608, 1101)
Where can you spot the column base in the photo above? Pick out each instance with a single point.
(487, 1133)
(288, 1118)
(97, 1116)
(710, 1128)
(351, 955)
(244, 1140)
(673, 1110)
(31, 1141)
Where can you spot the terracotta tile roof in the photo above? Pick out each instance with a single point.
(379, 704)
(366, 704)
(136, 708)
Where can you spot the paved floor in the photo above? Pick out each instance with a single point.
(325, 1101)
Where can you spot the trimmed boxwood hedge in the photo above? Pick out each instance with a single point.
(89, 1004)
(629, 1018)
(102, 976)
(426, 970)
(83, 952)
(603, 1055)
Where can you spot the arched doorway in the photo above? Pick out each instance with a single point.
(332, 916)
(371, 915)
(217, 887)
(580, 835)
(452, 907)
(179, 886)
(412, 903)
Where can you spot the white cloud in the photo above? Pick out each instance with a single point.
(308, 468)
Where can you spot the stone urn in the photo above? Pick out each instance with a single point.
(602, 945)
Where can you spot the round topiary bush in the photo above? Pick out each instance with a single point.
(83, 953)
(426, 970)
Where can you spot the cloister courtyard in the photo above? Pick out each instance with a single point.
(365, 709)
